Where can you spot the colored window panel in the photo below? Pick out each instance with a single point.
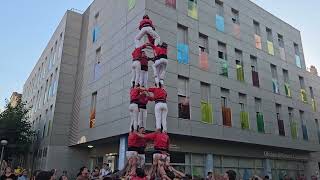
(226, 116)
(223, 67)
(294, 130)
(282, 53)
(257, 39)
(92, 118)
(203, 60)
(244, 118)
(240, 73)
(206, 111)
(131, 4)
(305, 132)
(287, 89)
(298, 61)
(183, 53)
(303, 94)
(95, 34)
(260, 123)
(275, 86)
(236, 30)
(171, 3)
(314, 105)
(220, 23)
(270, 48)
(193, 9)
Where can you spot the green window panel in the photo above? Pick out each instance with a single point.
(303, 94)
(270, 48)
(223, 67)
(287, 89)
(206, 112)
(275, 86)
(294, 130)
(193, 9)
(314, 105)
(260, 123)
(244, 118)
(131, 4)
(240, 73)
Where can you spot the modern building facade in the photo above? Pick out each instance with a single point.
(239, 95)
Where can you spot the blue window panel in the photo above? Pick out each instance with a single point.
(95, 34)
(183, 53)
(298, 61)
(220, 23)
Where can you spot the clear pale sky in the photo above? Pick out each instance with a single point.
(26, 27)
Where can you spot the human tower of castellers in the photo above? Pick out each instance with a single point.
(140, 95)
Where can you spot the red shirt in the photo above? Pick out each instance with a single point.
(138, 178)
(141, 142)
(161, 140)
(144, 99)
(134, 94)
(137, 52)
(150, 38)
(144, 61)
(158, 93)
(159, 50)
(133, 140)
(145, 23)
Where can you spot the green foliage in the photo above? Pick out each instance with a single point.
(15, 127)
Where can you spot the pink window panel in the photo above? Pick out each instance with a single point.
(236, 30)
(203, 60)
(258, 41)
(171, 3)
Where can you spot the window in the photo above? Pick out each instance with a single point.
(193, 9)
(239, 65)
(55, 82)
(203, 43)
(274, 71)
(280, 41)
(183, 98)
(96, 28)
(219, 16)
(256, 28)
(259, 115)
(311, 92)
(280, 121)
(182, 34)
(269, 34)
(303, 126)
(313, 103)
(285, 75)
(244, 115)
(219, 5)
(226, 111)
(275, 83)
(235, 16)
(44, 69)
(318, 129)
(222, 54)
(203, 52)
(254, 71)
(50, 86)
(54, 54)
(97, 65)
(205, 91)
(206, 106)
(297, 55)
(92, 119)
(45, 92)
(182, 45)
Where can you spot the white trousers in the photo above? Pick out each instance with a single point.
(142, 117)
(161, 111)
(159, 69)
(136, 68)
(144, 31)
(143, 78)
(134, 113)
(141, 160)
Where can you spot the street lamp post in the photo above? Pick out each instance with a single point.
(3, 144)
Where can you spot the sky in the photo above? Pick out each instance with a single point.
(27, 25)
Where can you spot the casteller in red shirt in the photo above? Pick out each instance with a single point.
(143, 100)
(145, 22)
(134, 95)
(159, 94)
(160, 51)
(161, 140)
(144, 61)
(137, 53)
(133, 140)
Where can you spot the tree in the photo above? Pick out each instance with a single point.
(16, 129)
